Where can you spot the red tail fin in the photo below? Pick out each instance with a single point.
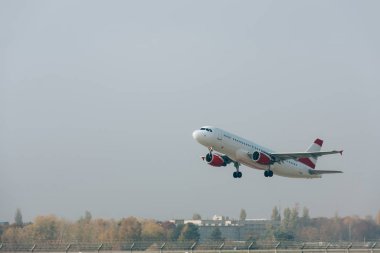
(311, 162)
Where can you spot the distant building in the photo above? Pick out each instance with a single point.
(233, 230)
(253, 228)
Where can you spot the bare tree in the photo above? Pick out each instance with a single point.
(276, 216)
(197, 216)
(243, 214)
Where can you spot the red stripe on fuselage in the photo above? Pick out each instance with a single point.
(307, 162)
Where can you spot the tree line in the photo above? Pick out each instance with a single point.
(292, 224)
(87, 229)
(295, 225)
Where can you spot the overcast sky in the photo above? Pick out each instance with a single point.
(98, 101)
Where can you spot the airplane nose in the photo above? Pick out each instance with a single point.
(196, 134)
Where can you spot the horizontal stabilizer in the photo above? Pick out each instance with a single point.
(297, 155)
(320, 172)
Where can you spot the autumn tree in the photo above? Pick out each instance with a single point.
(151, 230)
(129, 229)
(3, 227)
(308, 234)
(169, 228)
(84, 229)
(14, 234)
(46, 228)
(105, 230)
(330, 229)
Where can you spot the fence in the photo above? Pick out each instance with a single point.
(193, 247)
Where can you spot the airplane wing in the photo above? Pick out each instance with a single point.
(319, 172)
(297, 155)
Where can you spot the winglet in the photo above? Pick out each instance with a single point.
(341, 152)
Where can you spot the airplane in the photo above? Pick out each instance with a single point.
(236, 150)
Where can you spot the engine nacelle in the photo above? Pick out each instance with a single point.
(215, 160)
(261, 158)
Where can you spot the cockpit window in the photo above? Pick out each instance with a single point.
(206, 129)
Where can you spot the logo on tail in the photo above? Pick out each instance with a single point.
(315, 147)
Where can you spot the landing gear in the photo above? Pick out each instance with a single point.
(268, 173)
(209, 155)
(237, 173)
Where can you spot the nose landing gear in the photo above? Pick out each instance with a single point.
(236, 174)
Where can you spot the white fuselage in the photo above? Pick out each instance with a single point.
(236, 148)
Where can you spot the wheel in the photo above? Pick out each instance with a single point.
(235, 174)
(270, 173)
(239, 174)
(266, 173)
(208, 157)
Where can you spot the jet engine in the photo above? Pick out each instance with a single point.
(261, 158)
(215, 160)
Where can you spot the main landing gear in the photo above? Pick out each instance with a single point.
(237, 173)
(268, 173)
